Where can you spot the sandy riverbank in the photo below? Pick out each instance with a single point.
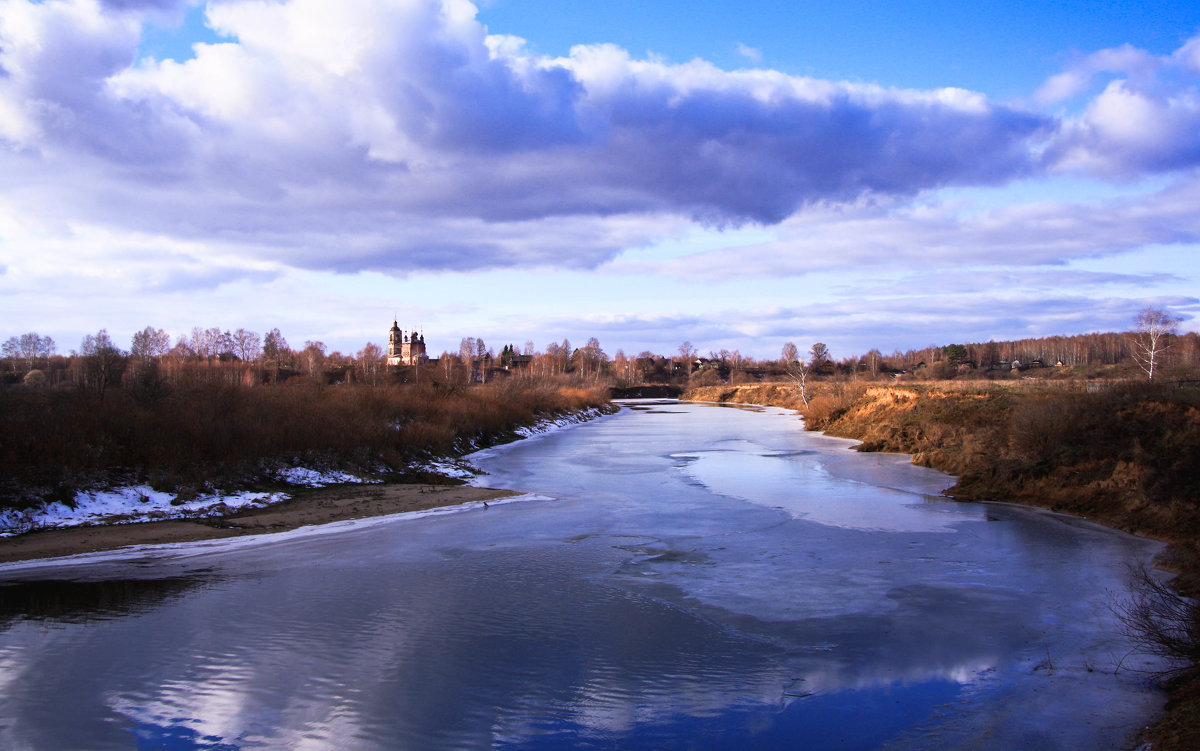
(306, 508)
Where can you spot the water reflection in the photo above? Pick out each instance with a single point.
(660, 598)
(476, 652)
(82, 601)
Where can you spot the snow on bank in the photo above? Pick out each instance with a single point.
(538, 430)
(141, 503)
(544, 427)
(181, 551)
(460, 468)
(455, 469)
(126, 505)
(312, 478)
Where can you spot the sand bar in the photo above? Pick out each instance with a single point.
(305, 508)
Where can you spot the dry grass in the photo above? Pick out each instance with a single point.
(52, 441)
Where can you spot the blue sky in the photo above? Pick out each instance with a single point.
(738, 175)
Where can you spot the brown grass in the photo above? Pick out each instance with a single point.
(54, 441)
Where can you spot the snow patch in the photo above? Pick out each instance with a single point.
(313, 478)
(456, 469)
(177, 551)
(543, 427)
(142, 503)
(537, 431)
(128, 505)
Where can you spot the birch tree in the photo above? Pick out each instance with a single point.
(1152, 338)
(28, 347)
(370, 362)
(797, 370)
(150, 343)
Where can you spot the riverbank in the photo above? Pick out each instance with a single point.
(113, 517)
(306, 508)
(1126, 456)
(197, 439)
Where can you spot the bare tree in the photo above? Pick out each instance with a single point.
(11, 350)
(370, 362)
(448, 362)
(1152, 338)
(98, 361)
(485, 359)
(687, 356)
(314, 358)
(466, 354)
(203, 342)
(274, 345)
(818, 355)
(246, 345)
(789, 354)
(28, 347)
(150, 343)
(591, 359)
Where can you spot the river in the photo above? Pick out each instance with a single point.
(679, 576)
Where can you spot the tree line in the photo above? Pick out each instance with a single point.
(245, 357)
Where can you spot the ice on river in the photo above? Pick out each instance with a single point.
(692, 576)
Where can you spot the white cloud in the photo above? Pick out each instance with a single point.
(753, 54)
(1145, 119)
(949, 235)
(339, 131)
(1127, 132)
(1124, 60)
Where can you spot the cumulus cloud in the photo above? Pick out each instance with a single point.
(1127, 132)
(400, 134)
(1145, 119)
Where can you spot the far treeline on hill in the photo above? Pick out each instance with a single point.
(1105, 426)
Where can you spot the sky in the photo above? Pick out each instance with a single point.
(890, 174)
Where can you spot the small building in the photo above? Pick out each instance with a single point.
(405, 349)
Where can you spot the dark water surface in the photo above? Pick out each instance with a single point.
(690, 577)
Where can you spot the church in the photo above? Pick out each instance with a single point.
(405, 349)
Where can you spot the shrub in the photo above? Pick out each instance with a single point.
(35, 379)
(1161, 622)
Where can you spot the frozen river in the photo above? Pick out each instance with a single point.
(684, 576)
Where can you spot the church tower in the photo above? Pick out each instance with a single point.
(395, 344)
(405, 349)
